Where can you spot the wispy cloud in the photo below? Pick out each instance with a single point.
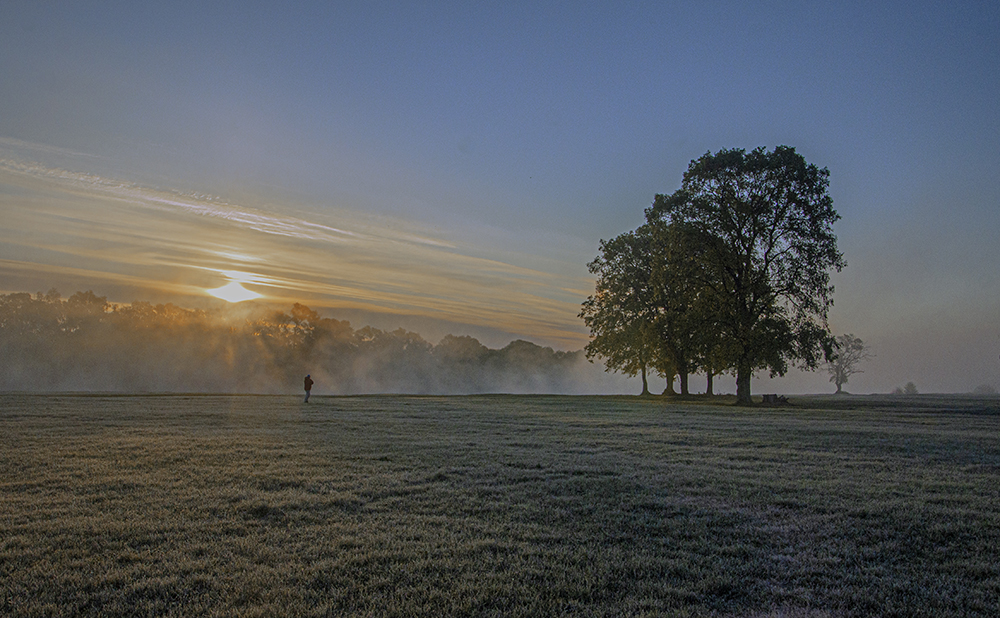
(22, 149)
(199, 204)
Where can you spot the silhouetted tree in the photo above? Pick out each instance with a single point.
(528, 367)
(622, 311)
(461, 349)
(674, 294)
(84, 311)
(398, 361)
(460, 360)
(765, 220)
(687, 308)
(850, 351)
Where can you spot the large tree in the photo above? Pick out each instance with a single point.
(645, 314)
(764, 223)
(681, 316)
(851, 350)
(621, 312)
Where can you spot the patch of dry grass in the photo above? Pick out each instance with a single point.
(495, 506)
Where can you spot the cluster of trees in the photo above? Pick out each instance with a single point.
(86, 343)
(729, 274)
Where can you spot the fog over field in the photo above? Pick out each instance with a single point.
(83, 343)
(86, 343)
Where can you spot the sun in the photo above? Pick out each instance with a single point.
(234, 293)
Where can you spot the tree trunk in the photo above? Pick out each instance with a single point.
(669, 390)
(645, 384)
(743, 375)
(684, 382)
(709, 385)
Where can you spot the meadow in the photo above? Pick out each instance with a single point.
(205, 505)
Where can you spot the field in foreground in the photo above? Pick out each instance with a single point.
(181, 505)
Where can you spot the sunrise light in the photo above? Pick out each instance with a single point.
(234, 293)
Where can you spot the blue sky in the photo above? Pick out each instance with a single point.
(476, 153)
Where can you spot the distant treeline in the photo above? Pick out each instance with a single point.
(85, 343)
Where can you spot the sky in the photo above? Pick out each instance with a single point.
(451, 167)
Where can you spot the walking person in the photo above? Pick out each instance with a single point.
(308, 383)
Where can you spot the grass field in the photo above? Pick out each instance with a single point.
(179, 505)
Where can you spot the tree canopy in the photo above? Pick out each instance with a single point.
(621, 312)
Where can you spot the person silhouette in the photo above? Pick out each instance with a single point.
(308, 383)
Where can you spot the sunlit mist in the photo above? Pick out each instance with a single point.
(234, 293)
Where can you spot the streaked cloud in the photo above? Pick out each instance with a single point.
(153, 238)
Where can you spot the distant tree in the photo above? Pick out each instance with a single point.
(984, 389)
(850, 351)
(462, 349)
(84, 310)
(329, 329)
(765, 221)
(304, 316)
(86, 343)
(528, 367)
(22, 316)
(396, 361)
(460, 360)
(910, 389)
(621, 312)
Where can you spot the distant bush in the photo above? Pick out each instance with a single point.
(909, 389)
(984, 389)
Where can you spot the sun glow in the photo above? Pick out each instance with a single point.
(234, 293)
